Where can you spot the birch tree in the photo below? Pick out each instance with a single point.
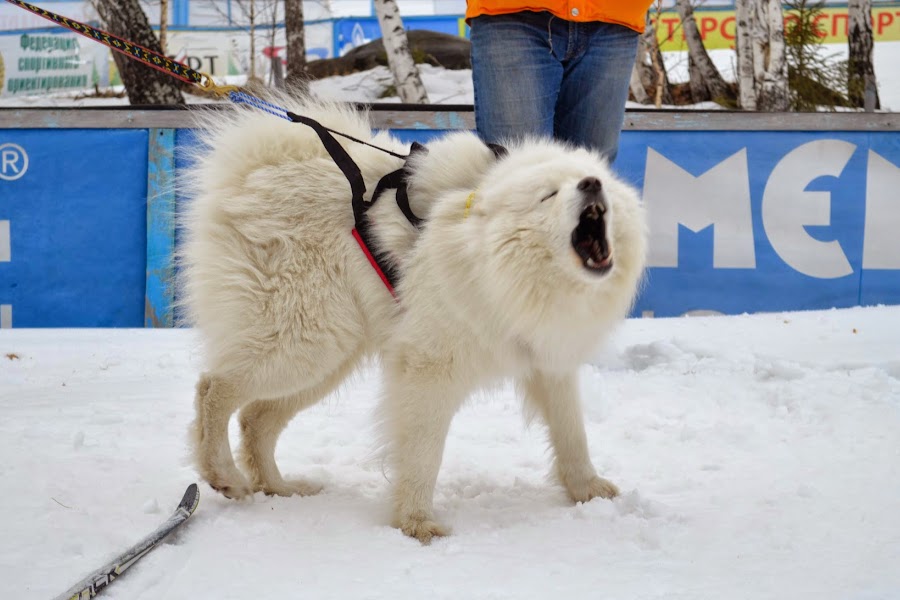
(705, 80)
(400, 61)
(297, 70)
(251, 15)
(771, 74)
(163, 23)
(762, 64)
(743, 15)
(861, 83)
(637, 86)
(649, 71)
(143, 84)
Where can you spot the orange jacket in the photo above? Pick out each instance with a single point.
(630, 13)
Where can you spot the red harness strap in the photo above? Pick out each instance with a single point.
(373, 262)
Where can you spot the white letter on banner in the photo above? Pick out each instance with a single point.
(720, 197)
(881, 247)
(5, 254)
(5, 316)
(787, 208)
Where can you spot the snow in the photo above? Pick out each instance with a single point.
(885, 57)
(759, 457)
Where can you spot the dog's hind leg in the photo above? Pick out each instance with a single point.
(216, 400)
(555, 399)
(263, 421)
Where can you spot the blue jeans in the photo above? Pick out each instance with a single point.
(536, 74)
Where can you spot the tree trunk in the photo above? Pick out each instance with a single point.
(699, 90)
(703, 73)
(144, 84)
(653, 76)
(772, 83)
(637, 83)
(252, 17)
(637, 86)
(743, 10)
(396, 46)
(163, 23)
(861, 80)
(762, 63)
(297, 71)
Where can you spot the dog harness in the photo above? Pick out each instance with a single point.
(396, 180)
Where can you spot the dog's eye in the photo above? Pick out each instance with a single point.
(550, 195)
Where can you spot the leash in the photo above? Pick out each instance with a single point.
(175, 69)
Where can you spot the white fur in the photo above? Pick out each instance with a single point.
(288, 305)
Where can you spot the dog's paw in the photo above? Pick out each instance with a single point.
(292, 487)
(234, 489)
(422, 528)
(597, 487)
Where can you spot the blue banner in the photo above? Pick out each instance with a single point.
(74, 202)
(739, 222)
(352, 32)
(767, 221)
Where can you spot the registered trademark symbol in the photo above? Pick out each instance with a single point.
(13, 161)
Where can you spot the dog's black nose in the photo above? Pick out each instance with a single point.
(590, 185)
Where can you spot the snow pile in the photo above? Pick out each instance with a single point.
(759, 457)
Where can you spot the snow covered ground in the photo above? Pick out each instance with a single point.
(759, 458)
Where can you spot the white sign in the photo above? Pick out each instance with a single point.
(40, 63)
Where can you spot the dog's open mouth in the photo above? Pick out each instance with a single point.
(589, 239)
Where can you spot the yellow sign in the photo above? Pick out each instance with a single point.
(717, 26)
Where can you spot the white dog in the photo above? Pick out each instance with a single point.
(523, 266)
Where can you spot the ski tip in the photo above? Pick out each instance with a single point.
(191, 499)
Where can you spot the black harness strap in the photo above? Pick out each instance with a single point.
(342, 159)
(397, 180)
(394, 180)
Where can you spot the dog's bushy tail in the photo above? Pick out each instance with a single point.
(240, 136)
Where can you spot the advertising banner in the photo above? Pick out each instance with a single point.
(717, 26)
(739, 221)
(767, 221)
(73, 227)
(39, 63)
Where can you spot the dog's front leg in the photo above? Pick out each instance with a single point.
(555, 399)
(419, 407)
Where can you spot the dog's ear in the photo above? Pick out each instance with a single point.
(498, 150)
(417, 148)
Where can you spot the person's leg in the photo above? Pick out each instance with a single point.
(591, 106)
(515, 74)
